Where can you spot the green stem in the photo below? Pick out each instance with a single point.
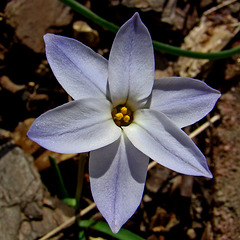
(103, 227)
(80, 177)
(157, 45)
(58, 178)
(90, 15)
(190, 54)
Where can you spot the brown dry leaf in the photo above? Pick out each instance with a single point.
(144, 5)
(30, 147)
(10, 86)
(168, 72)
(3, 51)
(84, 33)
(21, 139)
(208, 232)
(158, 220)
(209, 36)
(173, 221)
(169, 12)
(186, 186)
(42, 162)
(179, 16)
(176, 183)
(156, 177)
(162, 221)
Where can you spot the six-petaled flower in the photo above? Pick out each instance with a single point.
(122, 116)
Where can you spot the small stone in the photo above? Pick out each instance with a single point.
(191, 233)
(84, 33)
(147, 198)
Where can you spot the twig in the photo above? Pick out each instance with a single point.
(222, 5)
(93, 205)
(69, 222)
(204, 126)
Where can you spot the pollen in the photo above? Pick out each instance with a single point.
(118, 116)
(126, 118)
(124, 110)
(122, 115)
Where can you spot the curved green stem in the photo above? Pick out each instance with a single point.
(103, 227)
(80, 178)
(157, 45)
(90, 15)
(62, 191)
(190, 54)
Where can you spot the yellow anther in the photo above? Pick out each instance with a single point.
(124, 110)
(126, 118)
(122, 116)
(118, 116)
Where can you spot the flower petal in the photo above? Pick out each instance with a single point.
(183, 100)
(117, 177)
(78, 126)
(80, 71)
(131, 64)
(157, 137)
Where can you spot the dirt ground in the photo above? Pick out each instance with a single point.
(173, 206)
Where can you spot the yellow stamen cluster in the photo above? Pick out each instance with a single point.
(122, 116)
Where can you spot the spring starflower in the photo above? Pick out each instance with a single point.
(122, 117)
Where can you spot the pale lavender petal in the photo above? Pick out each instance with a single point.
(131, 64)
(184, 100)
(117, 177)
(78, 126)
(157, 137)
(80, 71)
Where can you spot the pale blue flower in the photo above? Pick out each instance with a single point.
(122, 116)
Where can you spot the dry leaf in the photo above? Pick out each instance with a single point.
(208, 36)
(32, 148)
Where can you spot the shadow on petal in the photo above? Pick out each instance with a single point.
(117, 177)
(136, 163)
(100, 166)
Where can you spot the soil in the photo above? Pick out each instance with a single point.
(173, 206)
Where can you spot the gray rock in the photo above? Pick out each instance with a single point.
(27, 211)
(9, 222)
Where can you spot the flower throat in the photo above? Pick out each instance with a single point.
(122, 116)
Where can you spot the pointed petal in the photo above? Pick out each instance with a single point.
(77, 126)
(80, 71)
(131, 64)
(117, 177)
(184, 100)
(157, 137)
